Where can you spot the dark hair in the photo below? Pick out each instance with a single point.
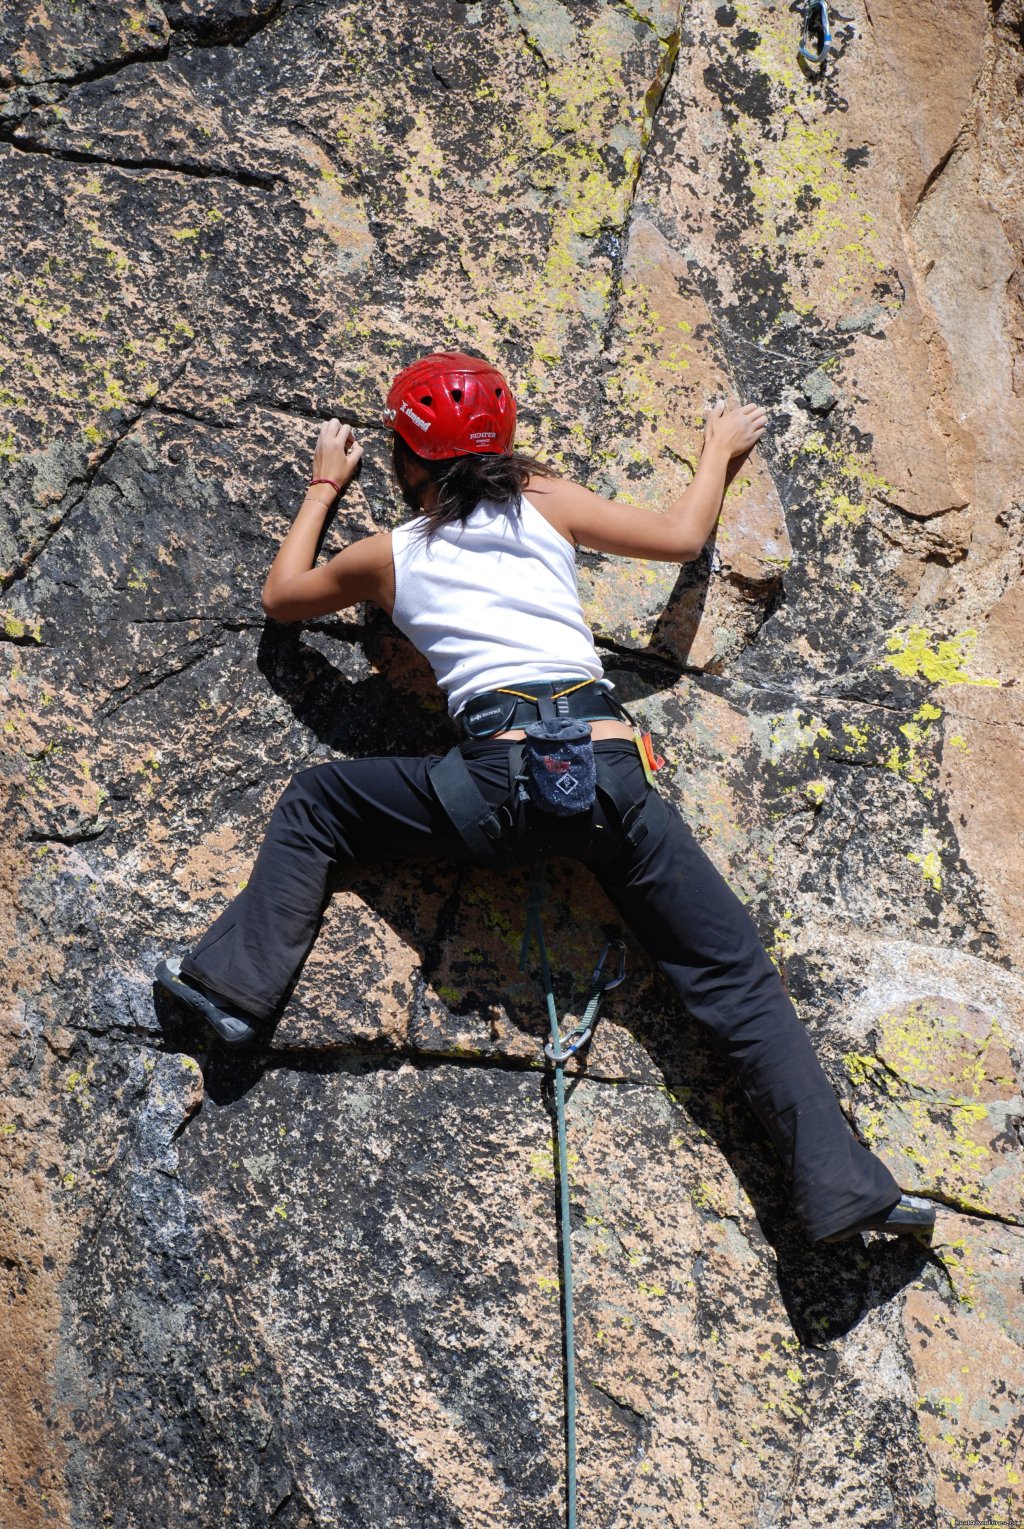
(462, 482)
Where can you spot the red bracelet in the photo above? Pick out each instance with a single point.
(336, 486)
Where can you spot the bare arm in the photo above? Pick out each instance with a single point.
(675, 535)
(295, 589)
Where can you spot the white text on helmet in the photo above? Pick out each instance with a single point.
(423, 423)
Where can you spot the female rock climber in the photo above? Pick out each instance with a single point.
(482, 581)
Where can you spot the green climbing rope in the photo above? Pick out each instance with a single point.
(559, 1050)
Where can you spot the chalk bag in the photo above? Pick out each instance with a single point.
(559, 768)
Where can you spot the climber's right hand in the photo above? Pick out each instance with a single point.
(338, 453)
(734, 432)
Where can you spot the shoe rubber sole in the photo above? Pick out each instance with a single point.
(909, 1216)
(234, 1029)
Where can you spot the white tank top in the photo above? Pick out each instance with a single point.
(491, 601)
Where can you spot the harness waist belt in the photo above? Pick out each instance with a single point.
(496, 711)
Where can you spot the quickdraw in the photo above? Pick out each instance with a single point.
(568, 1045)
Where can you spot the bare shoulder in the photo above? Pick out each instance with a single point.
(368, 555)
(376, 548)
(370, 563)
(558, 500)
(551, 490)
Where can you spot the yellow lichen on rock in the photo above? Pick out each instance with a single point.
(936, 1097)
(916, 653)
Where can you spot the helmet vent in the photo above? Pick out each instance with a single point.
(499, 392)
(427, 400)
(457, 394)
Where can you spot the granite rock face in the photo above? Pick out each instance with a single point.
(318, 1285)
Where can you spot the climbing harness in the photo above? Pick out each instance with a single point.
(816, 21)
(488, 832)
(559, 1050)
(538, 767)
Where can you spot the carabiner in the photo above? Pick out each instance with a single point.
(599, 983)
(816, 8)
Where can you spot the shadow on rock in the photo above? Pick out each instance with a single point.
(390, 708)
(828, 1288)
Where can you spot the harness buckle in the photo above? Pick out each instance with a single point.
(504, 819)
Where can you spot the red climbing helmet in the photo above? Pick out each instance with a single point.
(450, 405)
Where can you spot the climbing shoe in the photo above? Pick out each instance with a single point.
(236, 1029)
(909, 1214)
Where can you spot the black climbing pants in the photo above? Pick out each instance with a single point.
(369, 811)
